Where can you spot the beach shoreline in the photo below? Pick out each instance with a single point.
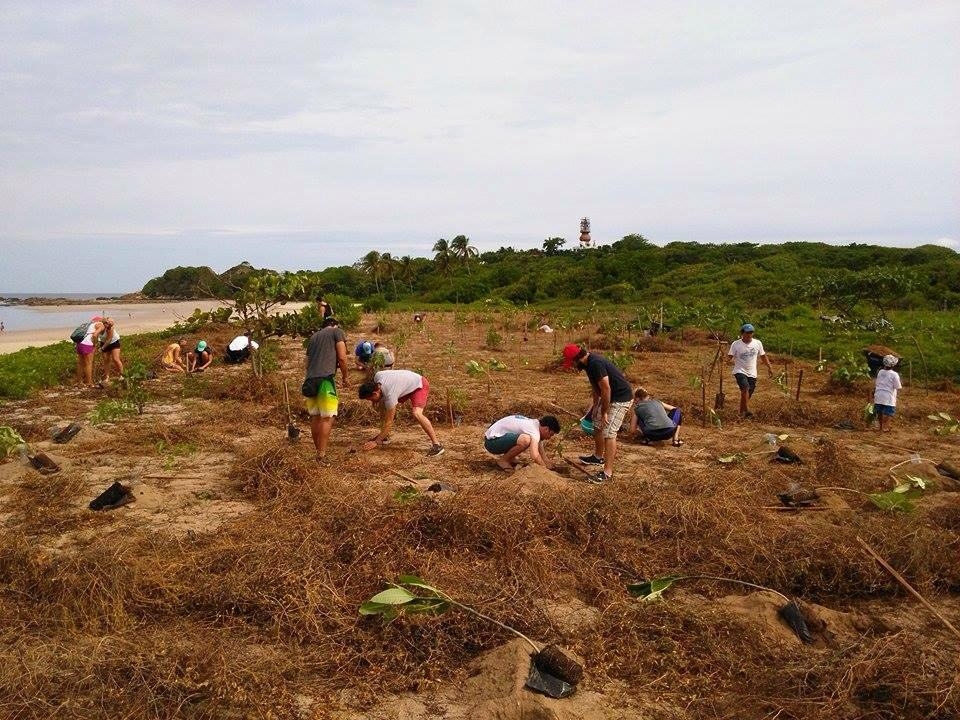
(131, 318)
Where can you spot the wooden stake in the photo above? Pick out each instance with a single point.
(799, 382)
(572, 464)
(784, 508)
(900, 579)
(449, 409)
(405, 477)
(563, 409)
(703, 399)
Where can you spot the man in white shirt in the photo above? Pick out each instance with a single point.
(513, 434)
(392, 387)
(239, 348)
(743, 354)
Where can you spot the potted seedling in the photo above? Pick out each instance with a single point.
(551, 671)
(789, 612)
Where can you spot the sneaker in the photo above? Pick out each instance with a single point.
(385, 441)
(591, 460)
(435, 450)
(599, 478)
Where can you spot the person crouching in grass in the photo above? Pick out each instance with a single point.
(653, 420)
(512, 435)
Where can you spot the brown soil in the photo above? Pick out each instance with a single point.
(230, 588)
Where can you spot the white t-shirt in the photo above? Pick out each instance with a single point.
(394, 384)
(745, 356)
(241, 341)
(885, 391)
(519, 424)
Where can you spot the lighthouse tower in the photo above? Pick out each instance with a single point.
(585, 240)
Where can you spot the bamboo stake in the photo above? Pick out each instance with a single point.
(900, 579)
(799, 383)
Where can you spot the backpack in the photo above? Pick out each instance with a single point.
(79, 333)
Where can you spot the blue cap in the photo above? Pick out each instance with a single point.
(364, 350)
(746, 327)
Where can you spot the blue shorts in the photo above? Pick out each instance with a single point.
(746, 383)
(887, 410)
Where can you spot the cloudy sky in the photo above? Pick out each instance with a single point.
(135, 136)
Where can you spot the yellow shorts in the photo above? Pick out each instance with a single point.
(325, 402)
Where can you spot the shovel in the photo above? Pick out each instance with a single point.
(720, 397)
(293, 432)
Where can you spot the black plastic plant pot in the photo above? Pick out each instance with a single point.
(794, 618)
(554, 674)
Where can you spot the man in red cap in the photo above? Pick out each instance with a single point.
(612, 397)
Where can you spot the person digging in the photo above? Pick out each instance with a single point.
(514, 434)
(392, 387)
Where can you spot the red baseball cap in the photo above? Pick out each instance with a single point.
(570, 353)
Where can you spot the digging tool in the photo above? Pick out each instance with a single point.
(720, 397)
(293, 432)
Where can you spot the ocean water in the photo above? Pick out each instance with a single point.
(23, 317)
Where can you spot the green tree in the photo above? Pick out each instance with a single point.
(551, 246)
(443, 258)
(372, 265)
(463, 250)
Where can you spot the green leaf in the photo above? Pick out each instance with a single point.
(894, 500)
(727, 459)
(651, 589)
(426, 605)
(393, 596)
(414, 581)
(374, 608)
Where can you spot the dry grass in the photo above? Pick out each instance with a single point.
(131, 623)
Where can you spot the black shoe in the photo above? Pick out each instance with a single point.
(66, 434)
(591, 460)
(435, 450)
(600, 478)
(113, 497)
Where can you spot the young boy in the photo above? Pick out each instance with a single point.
(885, 391)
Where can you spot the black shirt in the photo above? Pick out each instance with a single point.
(599, 367)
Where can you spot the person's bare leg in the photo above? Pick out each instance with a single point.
(425, 424)
(88, 369)
(320, 428)
(610, 454)
(506, 460)
(598, 444)
(117, 362)
(744, 395)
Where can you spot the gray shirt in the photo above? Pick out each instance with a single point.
(322, 351)
(652, 415)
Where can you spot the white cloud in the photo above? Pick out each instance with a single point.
(700, 121)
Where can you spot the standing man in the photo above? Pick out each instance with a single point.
(743, 354)
(513, 434)
(612, 396)
(326, 351)
(392, 387)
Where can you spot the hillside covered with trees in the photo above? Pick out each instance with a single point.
(632, 270)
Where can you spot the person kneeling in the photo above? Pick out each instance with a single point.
(513, 434)
(653, 420)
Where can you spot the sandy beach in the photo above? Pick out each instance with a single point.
(130, 318)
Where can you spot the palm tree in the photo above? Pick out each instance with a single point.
(443, 257)
(462, 248)
(406, 270)
(372, 265)
(387, 268)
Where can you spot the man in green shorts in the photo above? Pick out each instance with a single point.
(326, 351)
(510, 436)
